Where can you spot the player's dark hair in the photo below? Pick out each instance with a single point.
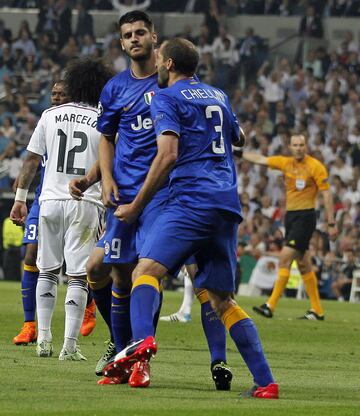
(184, 55)
(85, 79)
(136, 16)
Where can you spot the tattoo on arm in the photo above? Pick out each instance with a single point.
(28, 170)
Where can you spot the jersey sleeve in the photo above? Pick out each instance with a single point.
(321, 177)
(277, 162)
(108, 111)
(165, 114)
(37, 143)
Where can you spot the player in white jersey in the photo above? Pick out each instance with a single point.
(67, 228)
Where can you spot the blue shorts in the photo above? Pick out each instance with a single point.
(122, 241)
(31, 224)
(210, 234)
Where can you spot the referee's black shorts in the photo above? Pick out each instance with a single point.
(299, 227)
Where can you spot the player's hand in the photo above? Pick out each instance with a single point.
(333, 232)
(19, 213)
(109, 189)
(127, 213)
(77, 187)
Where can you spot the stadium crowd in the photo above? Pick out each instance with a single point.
(317, 97)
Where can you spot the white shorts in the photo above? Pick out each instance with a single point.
(68, 230)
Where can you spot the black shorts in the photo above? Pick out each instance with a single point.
(299, 227)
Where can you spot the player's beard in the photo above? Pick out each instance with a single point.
(145, 55)
(163, 77)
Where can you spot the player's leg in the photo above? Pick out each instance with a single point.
(81, 222)
(30, 277)
(316, 311)
(100, 282)
(49, 261)
(221, 258)
(28, 290)
(75, 304)
(183, 314)
(287, 255)
(246, 338)
(89, 321)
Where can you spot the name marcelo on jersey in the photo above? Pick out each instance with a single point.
(76, 118)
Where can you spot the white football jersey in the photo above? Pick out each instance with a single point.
(67, 135)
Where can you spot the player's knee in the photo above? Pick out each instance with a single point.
(149, 267)
(98, 274)
(221, 304)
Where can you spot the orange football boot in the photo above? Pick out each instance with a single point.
(89, 321)
(27, 334)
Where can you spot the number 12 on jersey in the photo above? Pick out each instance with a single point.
(70, 168)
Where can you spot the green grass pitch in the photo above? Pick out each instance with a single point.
(317, 365)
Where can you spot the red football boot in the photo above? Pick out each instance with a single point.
(141, 350)
(271, 391)
(110, 381)
(140, 376)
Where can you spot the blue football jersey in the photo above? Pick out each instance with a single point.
(124, 108)
(42, 172)
(204, 175)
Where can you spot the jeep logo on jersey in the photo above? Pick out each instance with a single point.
(100, 109)
(148, 96)
(141, 123)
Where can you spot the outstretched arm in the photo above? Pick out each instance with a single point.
(18, 212)
(255, 158)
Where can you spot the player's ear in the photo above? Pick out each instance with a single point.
(154, 38)
(122, 44)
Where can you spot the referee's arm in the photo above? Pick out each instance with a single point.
(329, 209)
(256, 158)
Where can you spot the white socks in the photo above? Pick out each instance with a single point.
(75, 304)
(188, 299)
(46, 293)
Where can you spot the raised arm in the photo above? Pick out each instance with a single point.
(18, 212)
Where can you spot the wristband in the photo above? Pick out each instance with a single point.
(21, 194)
(331, 224)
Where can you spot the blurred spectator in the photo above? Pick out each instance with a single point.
(5, 33)
(64, 21)
(47, 18)
(84, 24)
(310, 24)
(342, 284)
(24, 43)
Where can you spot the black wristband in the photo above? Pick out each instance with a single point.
(331, 224)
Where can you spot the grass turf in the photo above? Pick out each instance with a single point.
(317, 365)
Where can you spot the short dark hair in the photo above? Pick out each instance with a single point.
(85, 79)
(135, 16)
(183, 53)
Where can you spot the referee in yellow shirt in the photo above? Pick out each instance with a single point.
(304, 178)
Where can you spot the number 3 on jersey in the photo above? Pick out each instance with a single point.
(218, 146)
(70, 168)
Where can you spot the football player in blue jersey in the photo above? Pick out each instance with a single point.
(195, 130)
(28, 333)
(124, 108)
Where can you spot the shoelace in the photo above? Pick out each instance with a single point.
(110, 349)
(26, 329)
